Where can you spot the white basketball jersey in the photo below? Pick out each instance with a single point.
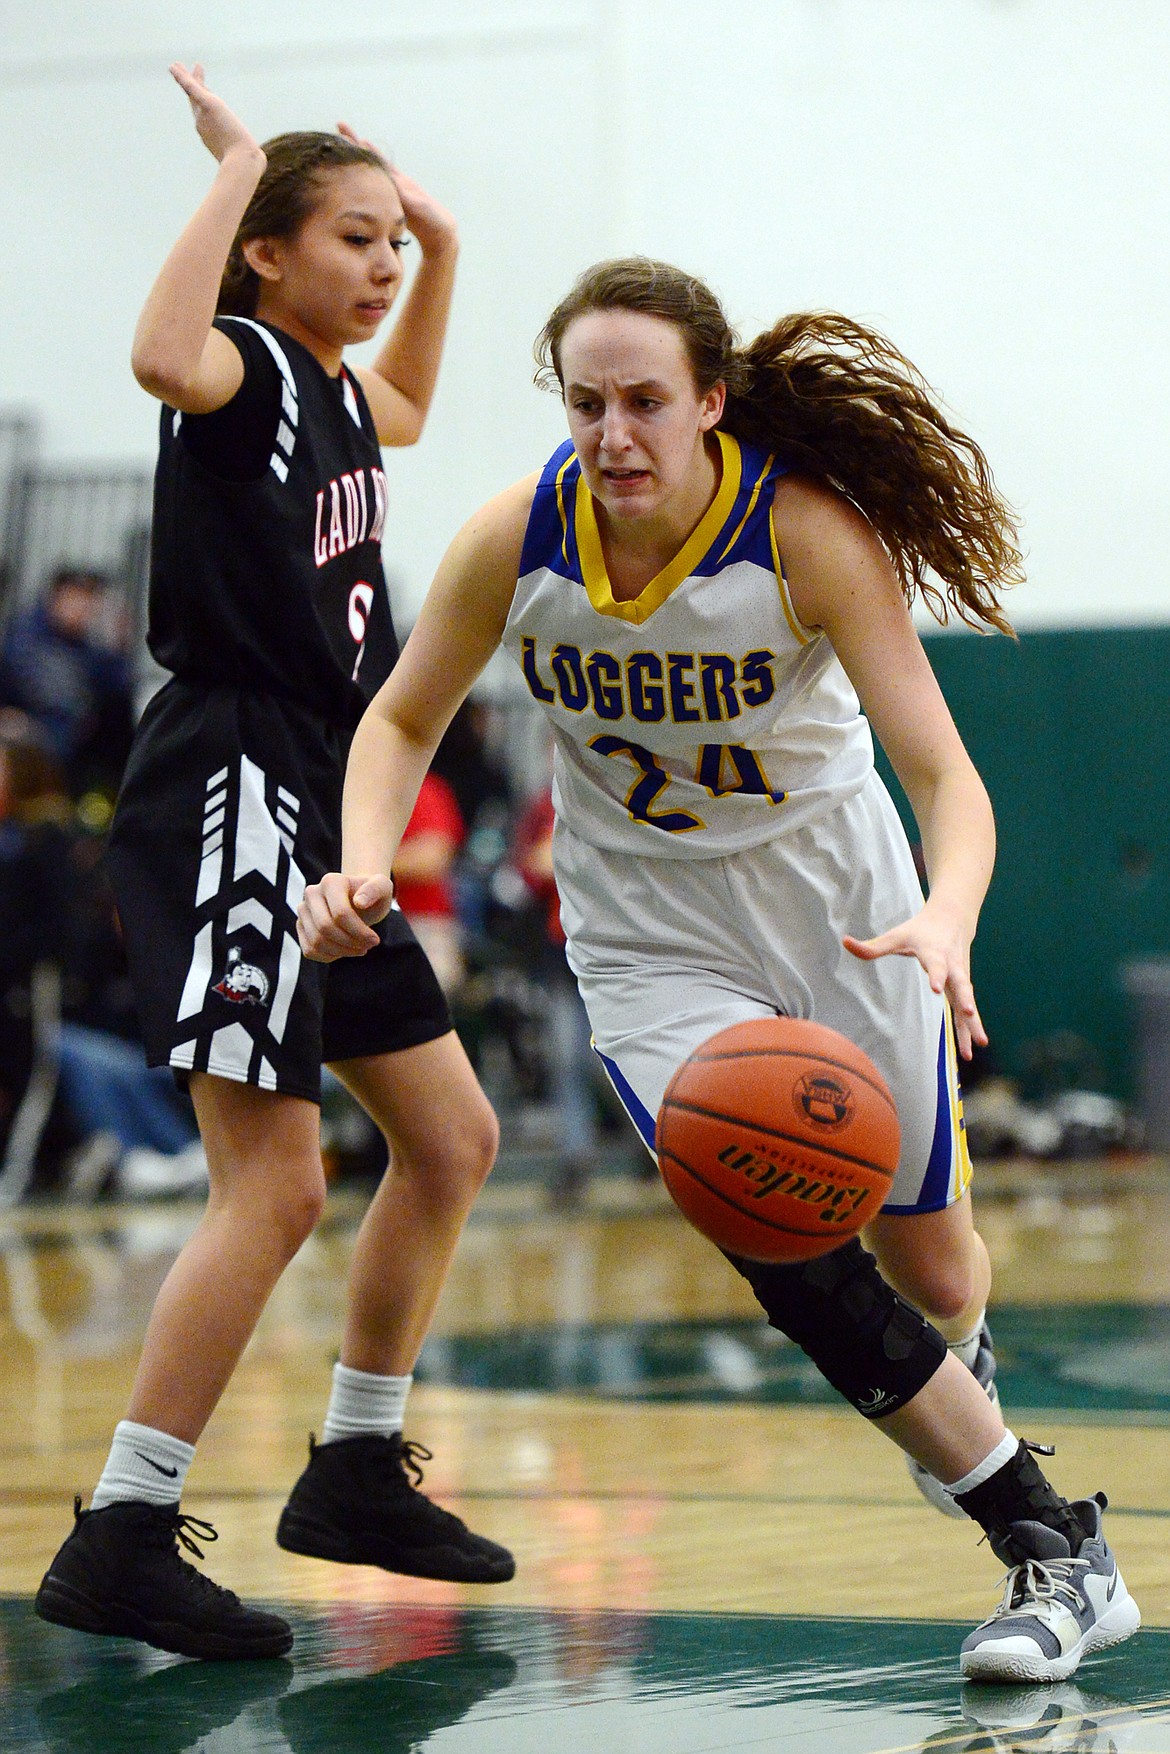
(701, 717)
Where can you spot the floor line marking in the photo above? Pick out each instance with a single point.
(604, 1495)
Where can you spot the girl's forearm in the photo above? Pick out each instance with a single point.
(413, 352)
(382, 781)
(958, 845)
(177, 316)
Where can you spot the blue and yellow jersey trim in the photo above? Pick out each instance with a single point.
(801, 634)
(550, 539)
(766, 473)
(563, 535)
(685, 563)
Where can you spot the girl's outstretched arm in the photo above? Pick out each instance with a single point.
(841, 582)
(177, 355)
(459, 627)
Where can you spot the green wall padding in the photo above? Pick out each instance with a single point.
(1071, 733)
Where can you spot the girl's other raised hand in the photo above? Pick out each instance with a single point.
(431, 224)
(218, 127)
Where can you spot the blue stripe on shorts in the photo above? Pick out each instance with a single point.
(934, 1193)
(633, 1104)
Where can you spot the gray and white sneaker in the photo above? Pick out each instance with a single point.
(934, 1492)
(1056, 1607)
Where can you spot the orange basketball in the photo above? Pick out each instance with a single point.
(778, 1139)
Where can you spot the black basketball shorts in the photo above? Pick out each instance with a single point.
(230, 804)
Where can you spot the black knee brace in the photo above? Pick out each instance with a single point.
(869, 1343)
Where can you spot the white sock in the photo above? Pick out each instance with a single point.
(364, 1405)
(1003, 1452)
(967, 1351)
(145, 1464)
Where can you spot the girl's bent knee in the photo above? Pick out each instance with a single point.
(485, 1145)
(944, 1297)
(296, 1214)
(454, 1168)
(467, 1163)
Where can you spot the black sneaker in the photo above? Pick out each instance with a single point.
(355, 1504)
(121, 1573)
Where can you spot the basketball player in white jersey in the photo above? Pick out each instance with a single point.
(704, 588)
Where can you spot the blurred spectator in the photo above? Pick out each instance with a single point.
(139, 1134)
(126, 1124)
(422, 878)
(139, 1130)
(483, 792)
(465, 761)
(97, 990)
(577, 1081)
(36, 897)
(64, 662)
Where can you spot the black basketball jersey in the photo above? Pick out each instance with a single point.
(266, 569)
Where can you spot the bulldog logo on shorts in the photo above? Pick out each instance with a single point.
(823, 1099)
(243, 983)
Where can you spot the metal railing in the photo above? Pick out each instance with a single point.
(54, 515)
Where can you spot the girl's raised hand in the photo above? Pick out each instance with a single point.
(216, 125)
(945, 957)
(431, 224)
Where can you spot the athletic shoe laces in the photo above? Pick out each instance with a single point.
(1041, 1582)
(168, 1531)
(413, 1455)
(165, 1527)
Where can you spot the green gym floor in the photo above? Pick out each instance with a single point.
(542, 1682)
(711, 1554)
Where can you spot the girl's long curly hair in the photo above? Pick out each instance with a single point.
(838, 401)
(283, 199)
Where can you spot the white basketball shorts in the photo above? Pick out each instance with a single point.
(669, 951)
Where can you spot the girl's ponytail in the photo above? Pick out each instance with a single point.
(839, 400)
(836, 400)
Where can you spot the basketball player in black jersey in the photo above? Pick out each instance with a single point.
(268, 607)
